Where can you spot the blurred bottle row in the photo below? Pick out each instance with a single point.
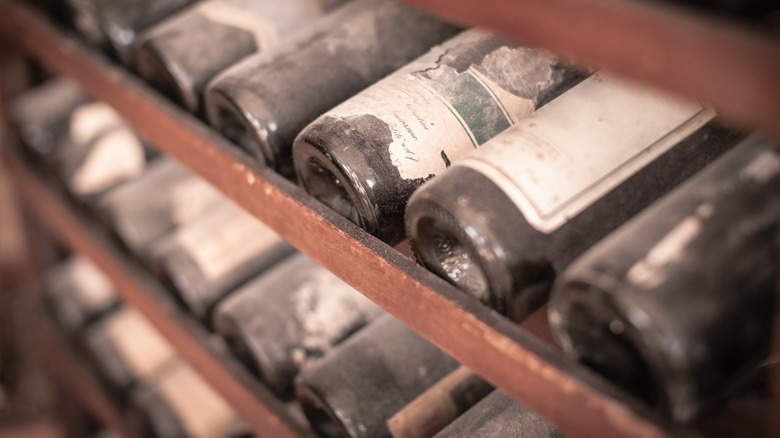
(317, 344)
(652, 229)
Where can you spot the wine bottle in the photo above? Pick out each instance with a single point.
(501, 223)
(263, 102)
(179, 403)
(165, 197)
(126, 349)
(356, 387)
(78, 293)
(208, 258)
(180, 55)
(116, 24)
(41, 116)
(440, 405)
(100, 152)
(679, 302)
(499, 416)
(294, 312)
(365, 157)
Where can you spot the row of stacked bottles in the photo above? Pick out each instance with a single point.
(650, 227)
(316, 343)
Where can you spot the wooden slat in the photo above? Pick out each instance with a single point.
(73, 373)
(734, 68)
(264, 414)
(569, 396)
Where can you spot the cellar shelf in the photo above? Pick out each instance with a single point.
(263, 413)
(73, 373)
(577, 401)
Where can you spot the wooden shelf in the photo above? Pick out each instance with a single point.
(74, 374)
(568, 395)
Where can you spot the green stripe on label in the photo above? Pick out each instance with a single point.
(475, 105)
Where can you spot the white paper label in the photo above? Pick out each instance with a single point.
(191, 199)
(571, 152)
(90, 120)
(201, 410)
(224, 240)
(144, 350)
(431, 127)
(91, 287)
(112, 158)
(263, 30)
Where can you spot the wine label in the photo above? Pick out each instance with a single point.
(263, 30)
(223, 241)
(92, 288)
(90, 120)
(191, 199)
(437, 115)
(143, 349)
(202, 411)
(112, 158)
(571, 152)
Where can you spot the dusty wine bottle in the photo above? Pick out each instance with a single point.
(100, 152)
(679, 302)
(116, 24)
(126, 349)
(78, 293)
(180, 55)
(365, 157)
(179, 403)
(357, 386)
(208, 258)
(440, 405)
(164, 198)
(499, 416)
(501, 223)
(263, 102)
(41, 116)
(84, 143)
(294, 312)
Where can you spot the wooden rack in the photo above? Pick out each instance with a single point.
(568, 395)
